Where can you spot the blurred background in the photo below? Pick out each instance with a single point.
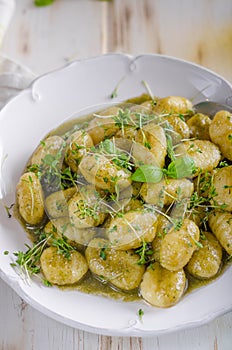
(46, 37)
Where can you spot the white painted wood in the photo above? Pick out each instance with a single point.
(24, 328)
(46, 38)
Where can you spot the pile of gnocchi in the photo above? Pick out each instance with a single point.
(138, 195)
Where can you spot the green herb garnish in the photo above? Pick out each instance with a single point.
(117, 156)
(8, 210)
(145, 252)
(140, 314)
(178, 168)
(103, 253)
(181, 167)
(147, 173)
(28, 262)
(63, 247)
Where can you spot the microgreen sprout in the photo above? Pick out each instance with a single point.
(27, 263)
(145, 252)
(8, 210)
(63, 247)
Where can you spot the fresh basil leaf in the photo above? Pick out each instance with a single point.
(181, 167)
(108, 146)
(43, 2)
(147, 173)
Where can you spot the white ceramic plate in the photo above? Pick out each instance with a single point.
(26, 120)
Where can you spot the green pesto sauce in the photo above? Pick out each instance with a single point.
(139, 99)
(89, 284)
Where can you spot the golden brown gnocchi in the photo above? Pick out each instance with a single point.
(152, 136)
(166, 191)
(61, 270)
(131, 229)
(162, 287)
(56, 204)
(222, 184)
(221, 226)
(78, 144)
(99, 171)
(129, 199)
(205, 154)
(50, 145)
(85, 209)
(103, 125)
(199, 126)
(178, 245)
(220, 132)
(174, 105)
(30, 198)
(206, 260)
(118, 267)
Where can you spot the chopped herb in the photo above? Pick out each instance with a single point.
(103, 253)
(147, 144)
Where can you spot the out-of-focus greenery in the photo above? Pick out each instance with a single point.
(49, 2)
(43, 2)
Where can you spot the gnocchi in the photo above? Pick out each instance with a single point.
(206, 261)
(220, 132)
(161, 287)
(30, 198)
(118, 267)
(60, 270)
(138, 197)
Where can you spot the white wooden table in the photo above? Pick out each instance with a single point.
(46, 38)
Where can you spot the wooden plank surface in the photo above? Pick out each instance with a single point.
(195, 30)
(24, 328)
(46, 38)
